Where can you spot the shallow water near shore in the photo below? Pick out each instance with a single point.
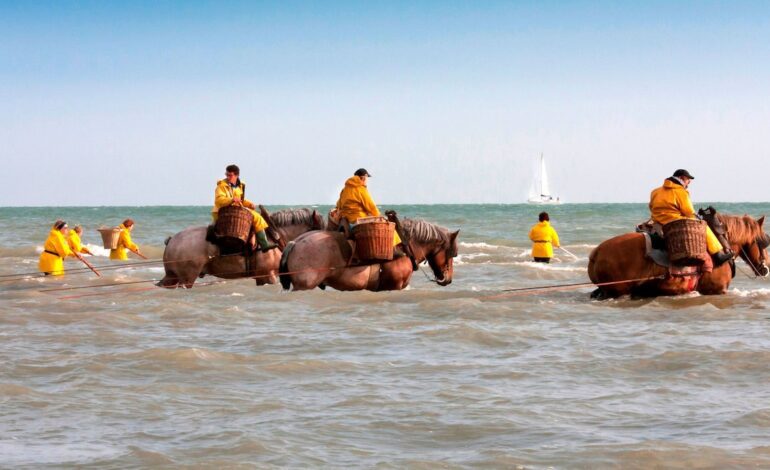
(430, 377)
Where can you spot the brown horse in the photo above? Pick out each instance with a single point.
(622, 258)
(188, 255)
(321, 258)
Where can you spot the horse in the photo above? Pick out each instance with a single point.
(322, 258)
(188, 255)
(622, 258)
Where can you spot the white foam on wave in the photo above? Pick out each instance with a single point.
(97, 250)
(750, 292)
(480, 245)
(548, 267)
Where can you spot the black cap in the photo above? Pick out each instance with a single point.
(685, 173)
(362, 172)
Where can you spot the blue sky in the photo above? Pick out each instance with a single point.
(140, 103)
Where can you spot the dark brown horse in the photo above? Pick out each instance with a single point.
(321, 258)
(189, 256)
(622, 258)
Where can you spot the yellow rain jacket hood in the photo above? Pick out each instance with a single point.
(355, 201)
(55, 250)
(670, 202)
(544, 239)
(124, 243)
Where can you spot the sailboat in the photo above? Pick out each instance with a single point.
(540, 192)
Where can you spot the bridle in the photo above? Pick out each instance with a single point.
(762, 242)
(440, 273)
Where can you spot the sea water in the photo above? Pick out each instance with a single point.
(461, 376)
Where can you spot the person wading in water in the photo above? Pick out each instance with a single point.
(544, 239)
(671, 202)
(125, 243)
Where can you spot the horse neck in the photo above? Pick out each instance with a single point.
(290, 232)
(423, 249)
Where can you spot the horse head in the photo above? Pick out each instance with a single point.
(748, 235)
(441, 261)
(434, 244)
(754, 253)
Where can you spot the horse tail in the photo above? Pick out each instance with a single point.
(284, 267)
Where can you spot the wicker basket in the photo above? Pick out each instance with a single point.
(374, 239)
(110, 237)
(233, 224)
(686, 241)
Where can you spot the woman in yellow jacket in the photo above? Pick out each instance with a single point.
(356, 202)
(125, 243)
(55, 250)
(671, 202)
(73, 239)
(544, 239)
(231, 192)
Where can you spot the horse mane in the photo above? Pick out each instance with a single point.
(302, 216)
(741, 229)
(423, 231)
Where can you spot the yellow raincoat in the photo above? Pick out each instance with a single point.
(544, 239)
(55, 250)
(73, 239)
(223, 197)
(356, 202)
(124, 243)
(671, 202)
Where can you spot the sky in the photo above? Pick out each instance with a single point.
(145, 103)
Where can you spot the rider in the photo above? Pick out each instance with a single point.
(544, 239)
(231, 192)
(671, 202)
(356, 202)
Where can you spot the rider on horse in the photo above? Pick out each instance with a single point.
(671, 202)
(355, 201)
(230, 192)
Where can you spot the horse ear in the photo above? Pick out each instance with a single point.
(453, 236)
(761, 220)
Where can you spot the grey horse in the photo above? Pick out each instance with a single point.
(188, 256)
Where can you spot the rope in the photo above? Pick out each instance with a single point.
(577, 285)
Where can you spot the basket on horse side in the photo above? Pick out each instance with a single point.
(374, 239)
(686, 241)
(110, 237)
(233, 226)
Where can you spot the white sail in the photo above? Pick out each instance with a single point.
(544, 189)
(540, 191)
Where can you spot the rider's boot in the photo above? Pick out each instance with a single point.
(263, 242)
(722, 257)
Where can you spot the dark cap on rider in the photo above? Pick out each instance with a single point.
(679, 173)
(362, 172)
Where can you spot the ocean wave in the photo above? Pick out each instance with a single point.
(761, 292)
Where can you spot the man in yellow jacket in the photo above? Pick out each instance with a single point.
(125, 243)
(671, 202)
(231, 191)
(55, 250)
(73, 239)
(544, 239)
(356, 202)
